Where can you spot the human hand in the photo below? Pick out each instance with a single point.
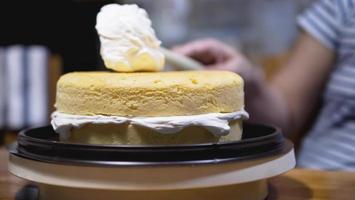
(216, 55)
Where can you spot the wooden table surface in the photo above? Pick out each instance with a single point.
(298, 184)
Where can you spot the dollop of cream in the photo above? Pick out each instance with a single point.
(216, 123)
(128, 41)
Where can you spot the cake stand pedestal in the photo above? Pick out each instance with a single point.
(228, 181)
(210, 171)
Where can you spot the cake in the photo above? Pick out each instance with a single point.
(139, 105)
(149, 108)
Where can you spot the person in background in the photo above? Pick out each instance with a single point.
(321, 67)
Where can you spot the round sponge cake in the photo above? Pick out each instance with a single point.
(149, 94)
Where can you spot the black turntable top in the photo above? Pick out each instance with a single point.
(42, 144)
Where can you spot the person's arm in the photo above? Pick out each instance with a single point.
(290, 98)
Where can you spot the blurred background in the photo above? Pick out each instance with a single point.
(40, 40)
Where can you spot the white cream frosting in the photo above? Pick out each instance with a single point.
(216, 123)
(128, 41)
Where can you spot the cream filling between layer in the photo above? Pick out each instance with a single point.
(216, 123)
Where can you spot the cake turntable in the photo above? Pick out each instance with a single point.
(229, 170)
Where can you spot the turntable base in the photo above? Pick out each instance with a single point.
(228, 181)
(226, 171)
(230, 192)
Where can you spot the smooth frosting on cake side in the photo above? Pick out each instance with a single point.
(149, 94)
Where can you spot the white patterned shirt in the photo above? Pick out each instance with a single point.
(330, 145)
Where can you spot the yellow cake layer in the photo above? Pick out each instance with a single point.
(149, 94)
(135, 135)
